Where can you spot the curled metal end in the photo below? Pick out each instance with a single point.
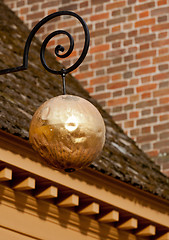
(58, 48)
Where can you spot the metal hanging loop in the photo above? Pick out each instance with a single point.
(64, 81)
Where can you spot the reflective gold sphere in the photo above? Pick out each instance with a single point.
(68, 132)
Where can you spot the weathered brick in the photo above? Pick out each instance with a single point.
(70, 7)
(146, 79)
(117, 60)
(129, 124)
(116, 13)
(145, 62)
(147, 103)
(115, 53)
(148, 120)
(161, 76)
(162, 34)
(120, 117)
(20, 3)
(144, 46)
(117, 76)
(133, 65)
(84, 75)
(127, 10)
(163, 67)
(147, 70)
(117, 93)
(144, 30)
(163, 51)
(49, 4)
(145, 38)
(147, 87)
(162, 19)
(116, 21)
(94, 2)
(38, 15)
(164, 100)
(146, 54)
(99, 25)
(119, 68)
(100, 64)
(114, 37)
(132, 33)
(160, 11)
(116, 28)
(99, 8)
(161, 109)
(99, 32)
(84, 4)
(135, 132)
(100, 16)
(145, 147)
(160, 27)
(145, 112)
(117, 109)
(129, 107)
(32, 1)
(127, 43)
(131, 2)
(160, 43)
(99, 56)
(161, 144)
(134, 114)
(99, 80)
(84, 12)
(134, 98)
(165, 134)
(144, 14)
(101, 96)
(144, 6)
(99, 48)
(147, 138)
(115, 85)
(100, 72)
(116, 44)
(127, 75)
(161, 59)
(161, 92)
(162, 2)
(24, 10)
(100, 88)
(164, 117)
(117, 4)
(132, 17)
(145, 22)
(146, 130)
(116, 102)
(146, 95)
(164, 84)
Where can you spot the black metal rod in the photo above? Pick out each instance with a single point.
(64, 83)
(57, 49)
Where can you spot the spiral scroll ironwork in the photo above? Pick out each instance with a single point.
(58, 48)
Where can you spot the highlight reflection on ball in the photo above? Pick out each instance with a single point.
(68, 132)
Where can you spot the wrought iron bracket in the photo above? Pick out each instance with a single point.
(59, 48)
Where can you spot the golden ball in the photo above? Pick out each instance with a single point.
(68, 132)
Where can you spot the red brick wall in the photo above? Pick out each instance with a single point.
(126, 68)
